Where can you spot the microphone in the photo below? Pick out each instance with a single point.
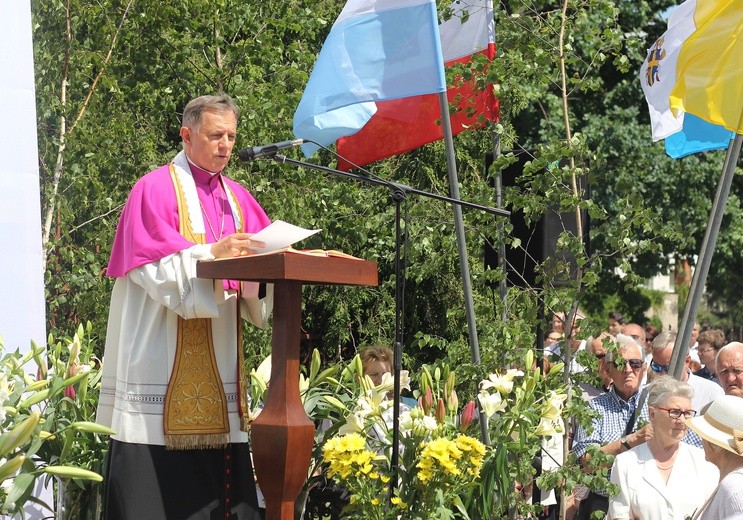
(269, 150)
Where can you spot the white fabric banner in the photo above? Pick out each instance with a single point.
(22, 314)
(22, 308)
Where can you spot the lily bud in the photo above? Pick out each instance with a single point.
(529, 359)
(41, 373)
(468, 416)
(427, 400)
(75, 348)
(450, 383)
(452, 402)
(69, 391)
(426, 379)
(440, 411)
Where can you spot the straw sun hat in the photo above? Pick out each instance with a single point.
(722, 423)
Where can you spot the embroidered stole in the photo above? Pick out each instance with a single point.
(195, 414)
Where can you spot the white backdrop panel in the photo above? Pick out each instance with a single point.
(22, 315)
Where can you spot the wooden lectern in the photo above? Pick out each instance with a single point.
(282, 435)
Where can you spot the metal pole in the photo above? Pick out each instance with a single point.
(464, 266)
(681, 347)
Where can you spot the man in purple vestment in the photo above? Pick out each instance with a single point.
(173, 384)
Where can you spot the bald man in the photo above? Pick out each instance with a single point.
(730, 368)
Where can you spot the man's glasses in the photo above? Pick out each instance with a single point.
(635, 364)
(676, 413)
(659, 368)
(705, 350)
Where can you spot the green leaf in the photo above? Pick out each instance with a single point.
(21, 485)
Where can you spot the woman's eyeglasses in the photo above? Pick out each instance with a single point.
(635, 364)
(659, 368)
(676, 413)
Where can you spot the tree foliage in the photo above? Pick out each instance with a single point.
(112, 77)
(111, 108)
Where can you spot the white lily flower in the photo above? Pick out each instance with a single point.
(513, 372)
(499, 383)
(406, 423)
(548, 427)
(387, 384)
(4, 389)
(404, 380)
(354, 424)
(553, 405)
(263, 372)
(364, 407)
(491, 403)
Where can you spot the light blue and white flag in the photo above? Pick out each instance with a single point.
(376, 50)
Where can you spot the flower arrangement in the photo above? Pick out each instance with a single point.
(46, 426)
(445, 470)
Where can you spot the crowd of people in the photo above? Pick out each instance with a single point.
(677, 443)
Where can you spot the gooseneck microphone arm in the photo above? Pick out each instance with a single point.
(256, 152)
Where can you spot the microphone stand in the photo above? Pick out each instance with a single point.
(398, 193)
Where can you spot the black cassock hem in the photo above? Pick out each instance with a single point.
(145, 482)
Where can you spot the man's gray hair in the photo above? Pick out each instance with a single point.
(624, 342)
(219, 103)
(664, 387)
(662, 340)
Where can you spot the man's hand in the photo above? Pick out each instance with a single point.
(644, 434)
(236, 244)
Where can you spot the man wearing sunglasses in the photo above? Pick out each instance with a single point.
(705, 391)
(613, 425)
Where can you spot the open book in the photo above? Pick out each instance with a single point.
(279, 236)
(312, 252)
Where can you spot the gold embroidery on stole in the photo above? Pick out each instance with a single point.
(195, 415)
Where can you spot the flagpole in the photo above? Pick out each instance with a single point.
(464, 266)
(681, 347)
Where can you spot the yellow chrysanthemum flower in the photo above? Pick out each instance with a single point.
(347, 455)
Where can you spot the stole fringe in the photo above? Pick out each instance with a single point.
(196, 442)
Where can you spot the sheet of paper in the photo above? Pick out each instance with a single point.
(281, 234)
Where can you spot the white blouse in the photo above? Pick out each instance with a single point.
(643, 493)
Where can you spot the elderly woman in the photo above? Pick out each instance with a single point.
(721, 430)
(664, 478)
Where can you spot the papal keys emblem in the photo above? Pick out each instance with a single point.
(655, 55)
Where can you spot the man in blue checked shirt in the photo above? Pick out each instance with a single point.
(615, 409)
